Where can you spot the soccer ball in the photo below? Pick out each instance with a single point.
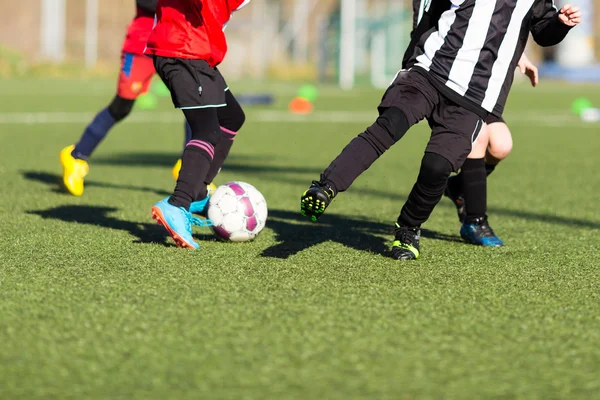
(238, 211)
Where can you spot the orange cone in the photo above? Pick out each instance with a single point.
(301, 106)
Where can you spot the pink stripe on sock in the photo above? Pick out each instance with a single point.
(209, 148)
(228, 131)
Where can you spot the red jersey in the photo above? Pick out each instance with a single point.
(138, 32)
(192, 29)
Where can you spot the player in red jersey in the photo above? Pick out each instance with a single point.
(188, 43)
(135, 75)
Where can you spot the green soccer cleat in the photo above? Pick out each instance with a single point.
(406, 246)
(315, 200)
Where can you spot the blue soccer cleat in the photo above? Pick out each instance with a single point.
(178, 223)
(200, 207)
(479, 232)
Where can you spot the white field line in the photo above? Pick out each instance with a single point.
(264, 116)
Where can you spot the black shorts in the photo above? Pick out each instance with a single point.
(492, 119)
(454, 129)
(192, 83)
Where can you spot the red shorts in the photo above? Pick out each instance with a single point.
(135, 76)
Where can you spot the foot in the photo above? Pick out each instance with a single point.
(479, 232)
(200, 207)
(178, 223)
(406, 246)
(453, 192)
(315, 200)
(74, 171)
(176, 169)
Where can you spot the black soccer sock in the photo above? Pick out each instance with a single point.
(221, 152)
(427, 192)
(189, 187)
(489, 168)
(363, 150)
(474, 185)
(197, 156)
(231, 118)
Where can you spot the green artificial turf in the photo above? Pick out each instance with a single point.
(95, 302)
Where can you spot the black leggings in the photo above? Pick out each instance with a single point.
(119, 108)
(208, 148)
(232, 116)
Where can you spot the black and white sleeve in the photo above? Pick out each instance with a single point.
(546, 28)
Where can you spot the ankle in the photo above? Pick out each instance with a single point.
(475, 219)
(328, 187)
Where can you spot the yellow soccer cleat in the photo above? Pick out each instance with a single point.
(176, 169)
(211, 189)
(74, 170)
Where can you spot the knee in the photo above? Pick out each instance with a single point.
(394, 122)
(120, 108)
(235, 118)
(500, 143)
(501, 150)
(387, 130)
(435, 168)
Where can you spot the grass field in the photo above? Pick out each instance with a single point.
(95, 302)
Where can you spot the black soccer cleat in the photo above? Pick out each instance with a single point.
(315, 200)
(454, 193)
(478, 231)
(406, 246)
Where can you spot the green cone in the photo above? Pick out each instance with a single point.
(580, 105)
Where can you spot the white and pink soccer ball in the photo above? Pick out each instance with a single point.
(238, 211)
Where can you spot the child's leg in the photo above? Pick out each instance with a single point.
(134, 79)
(454, 130)
(473, 179)
(500, 145)
(497, 143)
(231, 119)
(196, 90)
(409, 99)
(96, 131)
(197, 156)
(469, 188)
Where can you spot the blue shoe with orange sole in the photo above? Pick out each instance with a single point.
(200, 207)
(178, 223)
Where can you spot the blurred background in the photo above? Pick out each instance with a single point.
(335, 41)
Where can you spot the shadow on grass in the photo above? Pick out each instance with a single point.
(55, 183)
(250, 165)
(295, 234)
(100, 216)
(235, 163)
(145, 232)
(493, 211)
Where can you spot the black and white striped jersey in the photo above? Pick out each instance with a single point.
(472, 51)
